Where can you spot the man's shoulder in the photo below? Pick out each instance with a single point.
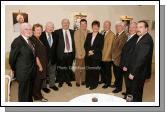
(17, 41)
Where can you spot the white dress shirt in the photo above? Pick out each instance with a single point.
(70, 41)
(120, 33)
(92, 40)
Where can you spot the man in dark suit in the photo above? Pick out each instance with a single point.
(141, 63)
(48, 39)
(64, 53)
(22, 62)
(127, 51)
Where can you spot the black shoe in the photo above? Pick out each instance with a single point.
(87, 86)
(125, 97)
(60, 85)
(124, 93)
(77, 84)
(100, 82)
(54, 88)
(105, 86)
(112, 86)
(116, 90)
(91, 88)
(46, 90)
(83, 83)
(69, 84)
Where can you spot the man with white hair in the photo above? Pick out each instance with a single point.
(126, 54)
(20, 20)
(65, 53)
(22, 62)
(106, 63)
(118, 44)
(48, 39)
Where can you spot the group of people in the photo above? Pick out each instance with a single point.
(40, 58)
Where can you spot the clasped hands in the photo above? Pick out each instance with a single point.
(90, 52)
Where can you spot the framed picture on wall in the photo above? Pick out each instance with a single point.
(77, 19)
(126, 20)
(19, 18)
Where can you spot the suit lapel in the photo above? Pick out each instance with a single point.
(46, 41)
(25, 43)
(61, 36)
(142, 38)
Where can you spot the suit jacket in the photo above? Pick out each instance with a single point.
(22, 59)
(49, 49)
(97, 46)
(41, 53)
(118, 44)
(127, 51)
(107, 48)
(79, 38)
(60, 44)
(142, 58)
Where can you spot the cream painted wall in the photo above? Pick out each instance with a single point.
(42, 14)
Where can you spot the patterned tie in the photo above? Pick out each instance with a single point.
(67, 41)
(49, 40)
(31, 46)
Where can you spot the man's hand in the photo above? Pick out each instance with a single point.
(79, 56)
(125, 69)
(131, 77)
(40, 69)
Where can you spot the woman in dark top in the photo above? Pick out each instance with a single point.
(41, 61)
(93, 48)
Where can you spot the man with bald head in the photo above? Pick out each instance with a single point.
(48, 39)
(107, 54)
(65, 53)
(118, 44)
(22, 62)
(126, 58)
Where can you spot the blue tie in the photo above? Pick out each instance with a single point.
(50, 40)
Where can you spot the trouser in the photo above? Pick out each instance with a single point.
(64, 68)
(51, 73)
(137, 89)
(106, 72)
(118, 73)
(25, 91)
(92, 72)
(37, 87)
(128, 82)
(80, 71)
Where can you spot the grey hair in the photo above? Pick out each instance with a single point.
(120, 23)
(107, 21)
(49, 23)
(65, 19)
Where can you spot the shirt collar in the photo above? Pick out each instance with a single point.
(120, 32)
(142, 35)
(25, 38)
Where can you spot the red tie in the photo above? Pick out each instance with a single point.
(67, 41)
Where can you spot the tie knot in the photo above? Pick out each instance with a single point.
(49, 34)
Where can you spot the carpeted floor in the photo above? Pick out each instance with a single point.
(66, 93)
